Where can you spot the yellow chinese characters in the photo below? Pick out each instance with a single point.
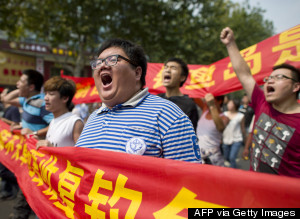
(201, 78)
(183, 200)
(19, 147)
(252, 58)
(48, 168)
(157, 79)
(33, 166)
(289, 45)
(94, 91)
(82, 92)
(10, 145)
(65, 52)
(5, 136)
(69, 181)
(119, 192)
(13, 143)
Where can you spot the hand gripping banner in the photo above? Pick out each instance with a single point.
(69, 182)
(217, 78)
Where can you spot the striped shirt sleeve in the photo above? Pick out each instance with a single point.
(180, 141)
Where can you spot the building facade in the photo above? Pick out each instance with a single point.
(15, 57)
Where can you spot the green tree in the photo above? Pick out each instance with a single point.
(77, 25)
(188, 29)
(249, 25)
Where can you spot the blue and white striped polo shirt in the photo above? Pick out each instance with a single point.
(145, 125)
(35, 116)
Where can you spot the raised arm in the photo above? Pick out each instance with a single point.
(240, 66)
(220, 122)
(11, 98)
(200, 103)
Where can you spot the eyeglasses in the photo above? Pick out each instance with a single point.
(109, 61)
(277, 78)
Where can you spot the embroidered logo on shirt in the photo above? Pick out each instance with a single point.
(136, 146)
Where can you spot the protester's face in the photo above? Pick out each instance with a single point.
(226, 100)
(23, 86)
(116, 84)
(231, 106)
(53, 102)
(171, 76)
(245, 100)
(278, 90)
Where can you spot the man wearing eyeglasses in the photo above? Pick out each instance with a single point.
(131, 119)
(276, 133)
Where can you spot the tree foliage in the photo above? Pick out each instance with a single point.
(188, 29)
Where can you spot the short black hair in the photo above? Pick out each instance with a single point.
(220, 100)
(34, 77)
(295, 73)
(135, 53)
(236, 103)
(184, 67)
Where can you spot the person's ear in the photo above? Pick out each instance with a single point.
(296, 87)
(182, 78)
(65, 99)
(138, 73)
(31, 87)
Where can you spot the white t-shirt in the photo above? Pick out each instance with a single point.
(208, 135)
(233, 131)
(60, 132)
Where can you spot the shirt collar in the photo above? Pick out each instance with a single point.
(132, 102)
(37, 96)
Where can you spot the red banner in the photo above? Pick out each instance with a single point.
(217, 78)
(69, 182)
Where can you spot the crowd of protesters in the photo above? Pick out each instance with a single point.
(207, 130)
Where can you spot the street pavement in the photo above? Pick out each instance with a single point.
(6, 208)
(242, 163)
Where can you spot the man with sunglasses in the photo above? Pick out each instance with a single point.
(276, 133)
(131, 119)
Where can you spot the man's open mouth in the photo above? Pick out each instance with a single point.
(106, 79)
(270, 89)
(167, 78)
